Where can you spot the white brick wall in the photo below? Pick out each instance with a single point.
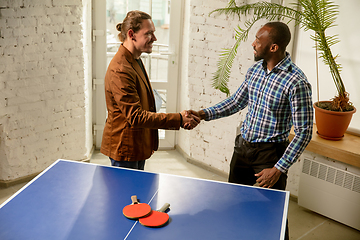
(42, 98)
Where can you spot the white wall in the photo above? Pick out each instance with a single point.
(42, 103)
(348, 51)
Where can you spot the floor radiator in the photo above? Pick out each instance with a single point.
(330, 191)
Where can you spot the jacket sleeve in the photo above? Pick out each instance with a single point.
(133, 100)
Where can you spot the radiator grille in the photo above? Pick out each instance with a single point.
(332, 175)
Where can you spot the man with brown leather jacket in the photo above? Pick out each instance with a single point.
(131, 130)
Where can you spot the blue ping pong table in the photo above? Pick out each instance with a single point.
(74, 200)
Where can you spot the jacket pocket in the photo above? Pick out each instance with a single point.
(132, 143)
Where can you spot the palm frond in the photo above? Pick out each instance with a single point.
(221, 76)
(262, 10)
(318, 15)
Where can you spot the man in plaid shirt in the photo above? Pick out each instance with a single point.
(278, 96)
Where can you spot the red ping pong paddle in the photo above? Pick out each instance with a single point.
(156, 218)
(136, 210)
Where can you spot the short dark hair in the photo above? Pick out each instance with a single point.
(133, 20)
(279, 34)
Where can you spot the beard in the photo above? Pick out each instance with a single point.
(260, 54)
(258, 58)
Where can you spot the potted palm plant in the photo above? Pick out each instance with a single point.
(315, 15)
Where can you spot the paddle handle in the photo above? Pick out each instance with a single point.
(134, 199)
(164, 207)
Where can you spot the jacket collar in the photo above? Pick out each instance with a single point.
(130, 58)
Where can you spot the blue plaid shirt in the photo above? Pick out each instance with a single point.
(276, 101)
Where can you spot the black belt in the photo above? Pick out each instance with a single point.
(262, 144)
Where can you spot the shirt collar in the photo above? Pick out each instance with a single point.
(283, 65)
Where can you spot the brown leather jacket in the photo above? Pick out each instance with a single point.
(130, 132)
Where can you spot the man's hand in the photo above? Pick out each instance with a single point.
(190, 120)
(268, 177)
(200, 114)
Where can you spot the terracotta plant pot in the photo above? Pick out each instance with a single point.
(332, 125)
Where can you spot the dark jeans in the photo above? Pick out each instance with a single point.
(126, 164)
(250, 158)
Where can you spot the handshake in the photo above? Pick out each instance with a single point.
(191, 118)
